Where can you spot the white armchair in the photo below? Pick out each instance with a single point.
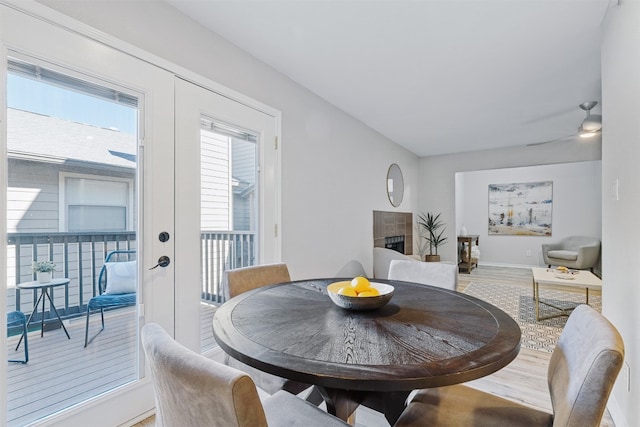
(577, 252)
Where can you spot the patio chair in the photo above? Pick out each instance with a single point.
(117, 285)
(582, 370)
(17, 320)
(193, 390)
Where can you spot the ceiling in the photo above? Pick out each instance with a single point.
(435, 76)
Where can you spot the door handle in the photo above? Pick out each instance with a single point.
(163, 261)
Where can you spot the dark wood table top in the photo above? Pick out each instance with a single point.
(424, 337)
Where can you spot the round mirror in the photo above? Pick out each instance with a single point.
(395, 185)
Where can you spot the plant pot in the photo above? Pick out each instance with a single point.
(432, 258)
(44, 276)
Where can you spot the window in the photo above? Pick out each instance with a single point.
(91, 203)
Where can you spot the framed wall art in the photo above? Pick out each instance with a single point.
(521, 209)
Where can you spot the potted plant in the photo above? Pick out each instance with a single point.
(44, 270)
(434, 234)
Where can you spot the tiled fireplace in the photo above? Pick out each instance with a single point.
(393, 230)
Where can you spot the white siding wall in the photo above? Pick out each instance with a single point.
(32, 197)
(244, 169)
(215, 182)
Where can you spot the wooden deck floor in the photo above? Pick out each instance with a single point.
(62, 373)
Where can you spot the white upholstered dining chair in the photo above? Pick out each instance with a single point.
(240, 280)
(582, 370)
(192, 390)
(440, 274)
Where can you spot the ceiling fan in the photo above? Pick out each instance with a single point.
(590, 126)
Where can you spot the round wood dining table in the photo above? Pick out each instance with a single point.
(424, 337)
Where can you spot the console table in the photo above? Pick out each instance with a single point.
(465, 262)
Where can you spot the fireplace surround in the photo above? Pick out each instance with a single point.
(393, 230)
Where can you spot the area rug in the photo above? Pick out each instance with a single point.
(517, 301)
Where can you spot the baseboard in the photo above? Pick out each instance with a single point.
(140, 418)
(616, 413)
(498, 264)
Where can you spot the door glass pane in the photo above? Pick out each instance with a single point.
(228, 220)
(72, 168)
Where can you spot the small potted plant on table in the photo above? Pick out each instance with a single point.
(434, 228)
(44, 270)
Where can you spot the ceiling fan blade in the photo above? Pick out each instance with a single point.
(565, 112)
(566, 138)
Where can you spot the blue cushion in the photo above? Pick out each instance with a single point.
(111, 300)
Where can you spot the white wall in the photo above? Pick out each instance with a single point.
(333, 167)
(620, 231)
(576, 209)
(437, 176)
(327, 208)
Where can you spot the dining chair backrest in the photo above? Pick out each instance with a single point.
(583, 368)
(382, 258)
(240, 280)
(440, 274)
(192, 390)
(352, 269)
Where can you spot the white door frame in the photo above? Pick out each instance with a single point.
(72, 53)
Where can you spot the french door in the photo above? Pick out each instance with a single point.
(195, 180)
(73, 190)
(227, 200)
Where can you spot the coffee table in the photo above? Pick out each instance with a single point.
(582, 279)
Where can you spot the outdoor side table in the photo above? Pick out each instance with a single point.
(44, 288)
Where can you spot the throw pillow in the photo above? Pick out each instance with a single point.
(121, 277)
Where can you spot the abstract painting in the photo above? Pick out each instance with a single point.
(522, 209)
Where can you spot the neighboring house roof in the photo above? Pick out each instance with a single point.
(48, 139)
(241, 187)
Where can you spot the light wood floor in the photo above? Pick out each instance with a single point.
(524, 380)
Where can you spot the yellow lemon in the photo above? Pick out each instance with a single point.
(360, 283)
(371, 292)
(348, 291)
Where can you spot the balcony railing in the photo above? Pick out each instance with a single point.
(220, 251)
(80, 256)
